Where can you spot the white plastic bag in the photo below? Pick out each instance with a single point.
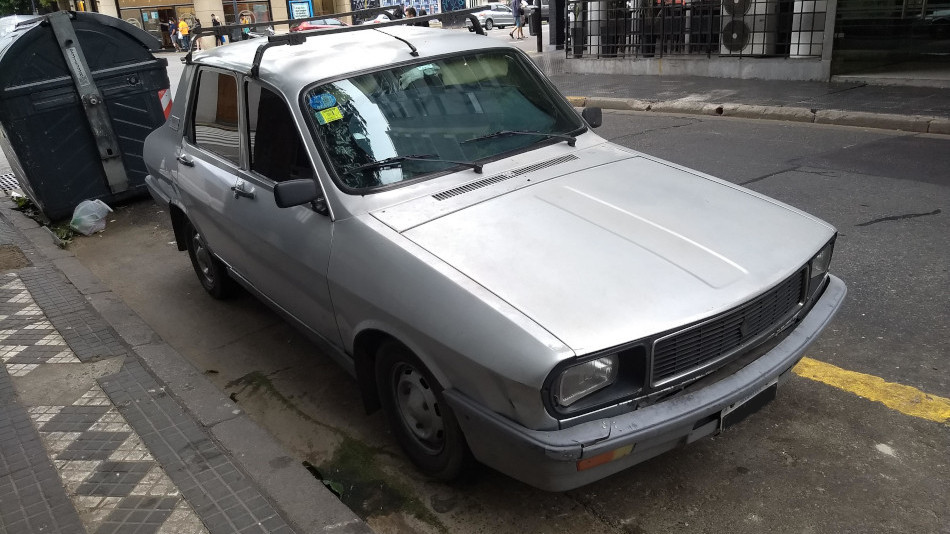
(89, 217)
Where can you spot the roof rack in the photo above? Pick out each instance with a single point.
(295, 38)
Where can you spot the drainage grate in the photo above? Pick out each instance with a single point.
(8, 183)
(461, 190)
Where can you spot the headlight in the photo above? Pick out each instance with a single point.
(580, 380)
(819, 265)
(822, 260)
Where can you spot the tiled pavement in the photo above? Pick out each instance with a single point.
(90, 440)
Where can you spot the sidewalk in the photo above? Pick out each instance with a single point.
(104, 428)
(873, 100)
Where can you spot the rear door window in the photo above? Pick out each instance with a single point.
(215, 118)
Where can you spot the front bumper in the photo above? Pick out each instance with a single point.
(548, 459)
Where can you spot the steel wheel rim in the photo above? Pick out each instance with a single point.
(418, 408)
(203, 258)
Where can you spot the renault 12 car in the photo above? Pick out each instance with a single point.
(505, 284)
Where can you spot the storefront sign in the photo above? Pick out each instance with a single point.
(301, 9)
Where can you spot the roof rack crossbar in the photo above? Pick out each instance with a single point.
(468, 12)
(298, 37)
(226, 30)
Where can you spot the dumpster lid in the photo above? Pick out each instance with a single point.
(137, 33)
(11, 27)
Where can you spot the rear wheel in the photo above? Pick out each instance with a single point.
(488, 24)
(212, 274)
(418, 415)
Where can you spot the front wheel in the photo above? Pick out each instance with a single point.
(418, 415)
(212, 274)
(489, 24)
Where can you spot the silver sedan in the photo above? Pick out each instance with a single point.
(508, 286)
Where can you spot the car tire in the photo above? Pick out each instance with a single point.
(212, 274)
(489, 24)
(419, 417)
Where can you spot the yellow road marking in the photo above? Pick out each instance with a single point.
(905, 399)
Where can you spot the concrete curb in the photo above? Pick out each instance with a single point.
(305, 503)
(883, 121)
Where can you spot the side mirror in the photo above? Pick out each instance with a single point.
(296, 192)
(593, 116)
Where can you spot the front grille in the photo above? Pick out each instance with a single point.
(707, 342)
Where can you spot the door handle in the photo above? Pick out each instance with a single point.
(240, 192)
(185, 160)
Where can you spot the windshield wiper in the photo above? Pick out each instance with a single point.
(396, 161)
(571, 140)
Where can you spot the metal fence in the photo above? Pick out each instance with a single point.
(657, 28)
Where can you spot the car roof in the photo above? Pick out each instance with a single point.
(326, 55)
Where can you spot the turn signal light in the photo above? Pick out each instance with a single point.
(604, 457)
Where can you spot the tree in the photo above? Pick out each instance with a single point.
(26, 7)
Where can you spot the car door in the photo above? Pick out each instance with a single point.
(284, 252)
(503, 16)
(209, 159)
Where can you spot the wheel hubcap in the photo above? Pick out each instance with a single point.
(203, 257)
(419, 409)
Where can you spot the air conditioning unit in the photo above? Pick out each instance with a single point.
(748, 27)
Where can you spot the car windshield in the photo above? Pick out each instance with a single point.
(412, 121)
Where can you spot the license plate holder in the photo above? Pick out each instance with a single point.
(735, 413)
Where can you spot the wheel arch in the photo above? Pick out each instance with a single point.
(365, 345)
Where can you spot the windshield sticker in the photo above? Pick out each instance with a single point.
(322, 101)
(328, 115)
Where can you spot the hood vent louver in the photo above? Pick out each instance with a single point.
(469, 187)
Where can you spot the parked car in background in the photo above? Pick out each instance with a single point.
(495, 14)
(318, 24)
(382, 17)
(504, 283)
(939, 23)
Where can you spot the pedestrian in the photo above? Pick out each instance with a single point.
(195, 28)
(246, 30)
(422, 13)
(517, 12)
(218, 38)
(173, 34)
(183, 32)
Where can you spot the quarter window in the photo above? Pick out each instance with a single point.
(215, 124)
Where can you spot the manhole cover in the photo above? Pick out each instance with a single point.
(11, 257)
(8, 183)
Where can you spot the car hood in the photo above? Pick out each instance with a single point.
(609, 246)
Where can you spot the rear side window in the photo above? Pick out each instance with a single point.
(215, 116)
(277, 150)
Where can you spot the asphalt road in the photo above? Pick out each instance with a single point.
(818, 459)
